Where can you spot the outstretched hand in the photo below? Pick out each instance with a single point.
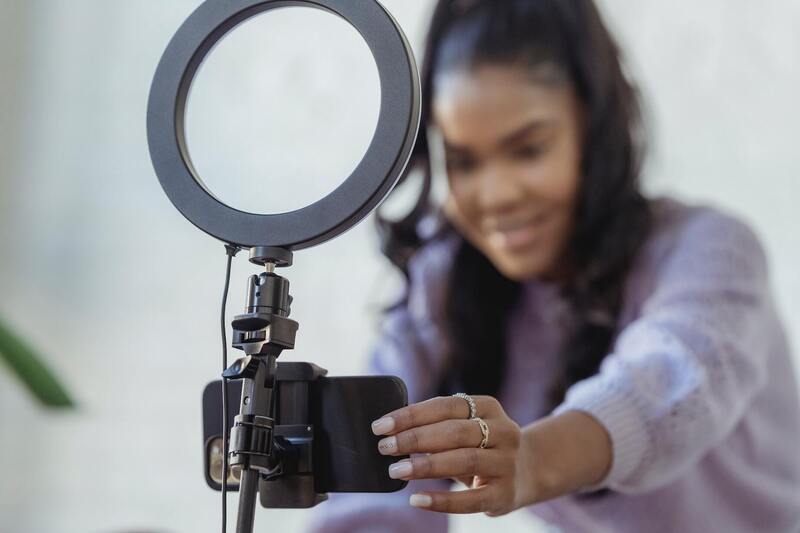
(440, 428)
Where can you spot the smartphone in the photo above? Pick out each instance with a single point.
(339, 411)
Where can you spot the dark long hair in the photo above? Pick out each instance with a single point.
(612, 216)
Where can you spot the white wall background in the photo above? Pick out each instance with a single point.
(106, 278)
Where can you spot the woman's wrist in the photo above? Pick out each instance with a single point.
(561, 454)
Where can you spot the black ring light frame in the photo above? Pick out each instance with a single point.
(349, 203)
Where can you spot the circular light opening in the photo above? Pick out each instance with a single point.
(282, 110)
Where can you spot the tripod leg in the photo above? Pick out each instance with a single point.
(248, 490)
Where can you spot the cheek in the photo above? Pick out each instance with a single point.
(559, 197)
(555, 180)
(460, 207)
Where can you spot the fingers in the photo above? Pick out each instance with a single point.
(459, 463)
(433, 438)
(440, 429)
(432, 411)
(450, 434)
(486, 499)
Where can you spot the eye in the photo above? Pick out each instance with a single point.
(460, 163)
(529, 151)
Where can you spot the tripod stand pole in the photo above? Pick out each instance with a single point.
(252, 435)
(248, 490)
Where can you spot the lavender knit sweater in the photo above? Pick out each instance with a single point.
(698, 392)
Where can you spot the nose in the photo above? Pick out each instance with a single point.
(497, 191)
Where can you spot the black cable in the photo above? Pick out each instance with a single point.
(231, 251)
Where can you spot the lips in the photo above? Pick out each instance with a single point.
(517, 236)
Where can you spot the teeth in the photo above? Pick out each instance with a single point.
(497, 239)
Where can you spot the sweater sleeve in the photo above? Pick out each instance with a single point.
(682, 374)
(408, 347)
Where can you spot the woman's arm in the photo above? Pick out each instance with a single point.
(679, 379)
(519, 467)
(682, 374)
(563, 454)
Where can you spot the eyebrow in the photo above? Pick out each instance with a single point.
(511, 138)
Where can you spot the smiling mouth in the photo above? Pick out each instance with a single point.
(519, 236)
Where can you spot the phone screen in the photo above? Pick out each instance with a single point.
(346, 457)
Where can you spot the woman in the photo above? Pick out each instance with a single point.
(623, 355)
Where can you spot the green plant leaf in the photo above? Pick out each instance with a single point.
(30, 369)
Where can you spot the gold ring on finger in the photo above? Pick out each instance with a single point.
(484, 431)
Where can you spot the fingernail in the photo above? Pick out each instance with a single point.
(400, 470)
(420, 500)
(382, 426)
(387, 446)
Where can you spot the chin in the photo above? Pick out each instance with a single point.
(520, 269)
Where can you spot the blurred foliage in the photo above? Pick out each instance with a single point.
(28, 366)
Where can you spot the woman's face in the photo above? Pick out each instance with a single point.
(513, 156)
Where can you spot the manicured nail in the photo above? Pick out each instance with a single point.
(420, 500)
(382, 426)
(388, 445)
(400, 470)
